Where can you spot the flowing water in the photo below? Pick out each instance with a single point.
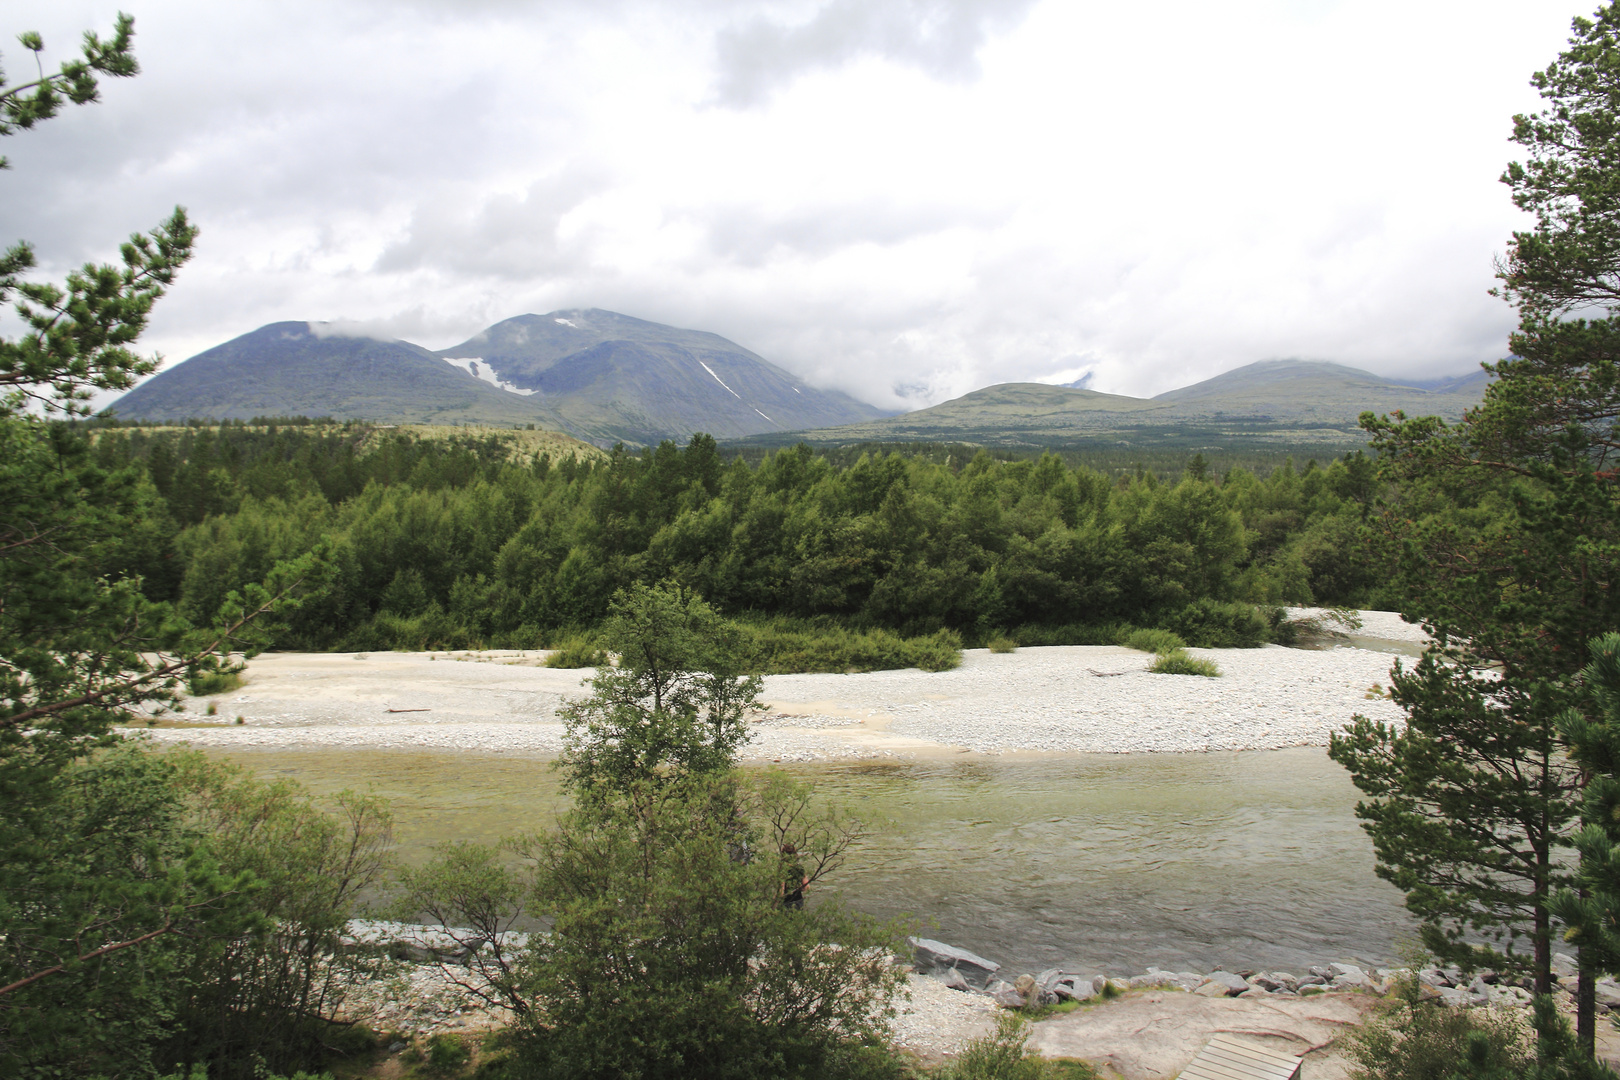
(1111, 862)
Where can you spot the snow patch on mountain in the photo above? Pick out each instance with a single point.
(479, 368)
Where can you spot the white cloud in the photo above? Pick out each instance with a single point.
(906, 199)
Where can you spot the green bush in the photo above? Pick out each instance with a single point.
(1153, 641)
(723, 980)
(577, 651)
(1001, 644)
(209, 683)
(1177, 662)
(1003, 1056)
(1035, 634)
(446, 1054)
(785, 647)
(1214, 624)
(1419, 1039)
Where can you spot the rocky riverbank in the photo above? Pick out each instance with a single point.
(1062, 699)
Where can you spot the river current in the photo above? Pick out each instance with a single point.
(1109, 862)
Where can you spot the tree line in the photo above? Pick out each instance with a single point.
(464, 542)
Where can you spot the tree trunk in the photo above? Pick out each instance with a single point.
(1586, 1004)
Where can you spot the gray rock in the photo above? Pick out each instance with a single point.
(954, 979)
(1046, 997)
(1433, 977)
(1311, 980)
(1234, 984)
(1349, 971)
(1211, 989)
(1079, 987)
(1607, 992)
(1255, 991)
(1564, 966)
(1323, 973)
(1454, 997)
(1008, 998)
(931, 957)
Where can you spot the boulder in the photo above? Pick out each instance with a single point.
(1008, 998)
(1564, 966)
(1433, 977)
(931, 957)
(1607, 992)
(1211, 989)
(953, 979)
(1024, 984)
(1234, 984)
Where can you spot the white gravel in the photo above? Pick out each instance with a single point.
(1092, 699)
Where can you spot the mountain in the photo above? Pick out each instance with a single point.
(291, 369)
(1280, 403)
(598, 375)
(610, 376)
(1306, 390)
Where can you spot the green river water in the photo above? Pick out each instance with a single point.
(1112, 862)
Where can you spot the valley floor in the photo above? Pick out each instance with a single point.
(1063, 699)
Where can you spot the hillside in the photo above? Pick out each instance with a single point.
(287, 369)
(609, 376)
(1279, 403)
(597, 375)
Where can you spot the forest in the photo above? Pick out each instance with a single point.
(465, 542)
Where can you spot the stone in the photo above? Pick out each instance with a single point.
(1046, 997)
(1255, 992)
(1348, 971)
(955, 980)
(931, 957)
(1354, 979)
(1433, 977)
(1078, 988)
(1008, 998)
(1323, 973)
(1211, 989)
(1564, 966)
(1234, 984)
(1311, 980)
(1117, 986)
(1607, 992)
(1048, 978)
(1024, 984)
(1454, 997)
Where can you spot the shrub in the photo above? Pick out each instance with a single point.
(1212, 624)
(1153, 641)
(1001, 644)
(782, 647)
(1003, 1056)
(1033, 634)
(1177, 662)
(577, 651)
(683, 881)
(1419, 1039)
(446, 1054)
(208, 683)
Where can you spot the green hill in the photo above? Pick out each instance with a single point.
(1276, 403)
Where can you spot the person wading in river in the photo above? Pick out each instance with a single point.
(794, 881)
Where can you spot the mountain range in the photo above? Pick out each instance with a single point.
(605, 378)
(1287, 403)
(598, 375)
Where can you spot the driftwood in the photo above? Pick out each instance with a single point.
(1106, 674)
(410, 710)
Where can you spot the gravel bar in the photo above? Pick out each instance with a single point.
(1063, 699)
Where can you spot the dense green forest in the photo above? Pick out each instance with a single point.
(466, 541)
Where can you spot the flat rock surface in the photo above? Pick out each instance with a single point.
(1152, 1035)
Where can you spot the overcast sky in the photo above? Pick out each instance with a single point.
(904, 199)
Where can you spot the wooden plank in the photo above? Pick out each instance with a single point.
(1228, 1058)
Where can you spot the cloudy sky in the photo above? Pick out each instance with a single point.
(904, 199)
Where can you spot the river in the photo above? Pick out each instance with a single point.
(1110, 862)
